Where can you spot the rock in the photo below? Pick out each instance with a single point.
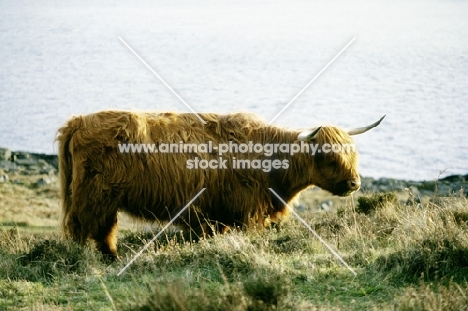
(51, 159)
(44, 181)
(414, 195)
(8, 166)
(45, 167)
(19, 155)
(26, 162)
(326, 205)
(4, 178)
(427, 185)
(444, 189)
(445, 186)
(384, 188)
(48, 170)
(383, 180)
(42, 163)
(367, 183)
(29, 164)
(414, 191)
(33, 169)
(300, 207)
(5, 154)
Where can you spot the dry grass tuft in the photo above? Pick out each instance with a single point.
(428, 240)
(434, 297)
(369, 203)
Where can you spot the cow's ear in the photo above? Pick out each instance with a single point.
(308, 134)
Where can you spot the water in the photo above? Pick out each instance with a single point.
(409, 61)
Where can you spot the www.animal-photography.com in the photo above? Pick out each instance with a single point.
(242, 155)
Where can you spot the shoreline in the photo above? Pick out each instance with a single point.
(28, 163)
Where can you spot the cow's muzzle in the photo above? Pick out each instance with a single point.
(346, 187)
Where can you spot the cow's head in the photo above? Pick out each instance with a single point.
(335, 159)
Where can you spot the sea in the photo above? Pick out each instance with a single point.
(360, 60)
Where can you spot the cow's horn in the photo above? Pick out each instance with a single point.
(308, 134)
(364, 129)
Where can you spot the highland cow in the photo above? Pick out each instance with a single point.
(100, 175)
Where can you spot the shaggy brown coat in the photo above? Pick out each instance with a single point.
(97, 180)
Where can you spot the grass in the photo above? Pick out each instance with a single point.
(408, 256)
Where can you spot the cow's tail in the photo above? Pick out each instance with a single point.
(65, 159)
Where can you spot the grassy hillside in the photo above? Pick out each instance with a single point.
(408, 256)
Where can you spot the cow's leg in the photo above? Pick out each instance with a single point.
(74, 229)
(106, 237)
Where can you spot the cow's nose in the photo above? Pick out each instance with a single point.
(346, 187)
(354, 184)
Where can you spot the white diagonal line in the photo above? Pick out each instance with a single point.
(159, 233)
(311, 81)
(315, 233)
(162, 80)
